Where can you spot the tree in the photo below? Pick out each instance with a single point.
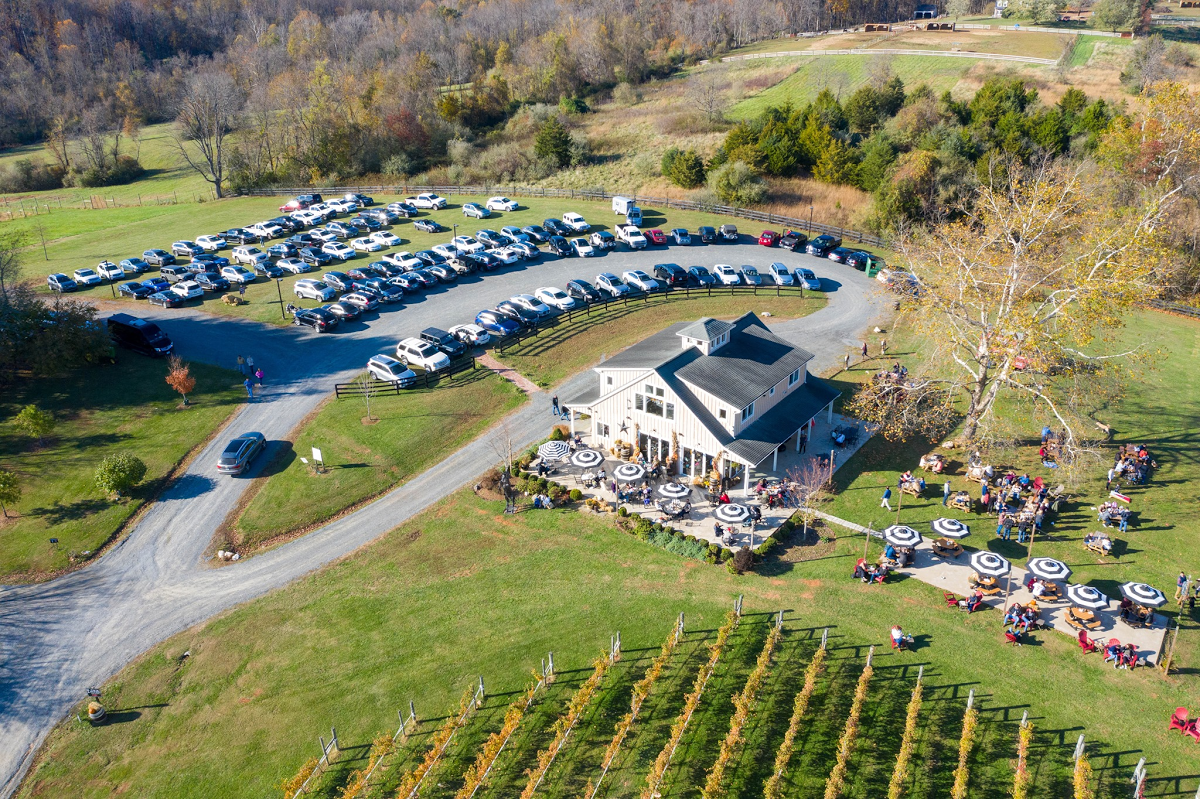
(837, 165)
(686, 169)
(367, 381)
(179, 377)
(208, 114)
(12, 242)
(957, 8)
(707, 94)
(736, 184)
(1019, 296)
(1114, 14)
(119, 473)
(1035, 10)
(35, 422)
(553, 142)
(10, 490)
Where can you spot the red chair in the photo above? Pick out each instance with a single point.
(1087, 644)
(1011, 638)
(1181, 722)
(951, 599)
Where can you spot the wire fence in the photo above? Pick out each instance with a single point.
(796, 223)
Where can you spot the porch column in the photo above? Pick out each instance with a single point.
(829, 419)
(746, 487)
(775, 460)
(798, 432)
(572, 412)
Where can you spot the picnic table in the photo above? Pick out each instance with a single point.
(1082, 618)
(990, 586)
(962, 501)
(933, 462)
(947, 548)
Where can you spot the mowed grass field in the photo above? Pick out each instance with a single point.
(1157, 408)
(1039, 45)
(414, 430)
(79, 238)
(559, 352)
(99, 410)
(463, 591)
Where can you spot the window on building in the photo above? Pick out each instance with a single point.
(602, 429)
(609, 379)
(654, 406)
(793, 378)
(771, 393)
(670, 410)
(747, 412)
(721, 414)
(639, 402)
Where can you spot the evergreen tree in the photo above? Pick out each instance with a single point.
(553, 142)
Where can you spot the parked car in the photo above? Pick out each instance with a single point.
(165, 299)
(428, 226)
(303, 240)
(406, 210)
(406, 281)
(339, 281)
(610, 284)
(385, 238)
(631, 235)
(186, 249)
(671, 275)
(750, 275)
(442, 272)
(513, 234)
(583, 291)
(110, 271)
(728, 232)
(575, 222)
(822, 245)
(424, 277)
(497, 324)
(560, 246)
(555, 298)
(134, 290)
(157, 283)
(188, 289)
(858, 259)
(475, 211)
(681, 236)
(389, 370)
(506, 255)
(791, 240)
(365, 223)
(500, 204)
(699, 276)
(138, 335)
(208, 262)
(839, 255)
(211, 243)
(284, 249)
(318, 319)
(344, 311)
(309, 257)
(707, 234)
(363, 244)
(639, 280)
(338, 250)
(768, 238)
(312, 289)
(603, 240)
(582, 248)
(135, 266)
(485, 261)
(174, 273)
(238, 235)
(444, 341)
(780, 275)
(446, 250)
(527, 251)
(490, 238)
(522, 316)
(245, 254)
(238, 453)
(60, 283)
(343, 230)
(361, 300)
(656, 236)
(807, 279)
(536, 233)
(414, 351)
(237, 274)
(726, 275)
(532, 304)
(466, 244)
(362, 199)
(471, 334)
(211, 281)
(428, 200)
(555, 227)
(86, 277)
(158, 257)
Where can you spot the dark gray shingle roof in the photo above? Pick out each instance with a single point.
(652, 352)
(757, 441)
(705, 329)
(745, 368)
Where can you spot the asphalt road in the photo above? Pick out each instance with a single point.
(58, 638)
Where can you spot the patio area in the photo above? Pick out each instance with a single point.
(702, 521)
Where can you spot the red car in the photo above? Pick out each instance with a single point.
(656, 236)
(769, 238)
(293, 205)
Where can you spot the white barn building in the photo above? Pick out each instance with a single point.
(728, 395)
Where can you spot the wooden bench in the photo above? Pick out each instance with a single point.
(913, 489)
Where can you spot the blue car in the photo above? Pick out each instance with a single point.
(496, 323)
(138, 291)
(284, 249)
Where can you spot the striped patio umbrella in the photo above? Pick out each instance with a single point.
(629, 471)
(1048, 568)
(1084, 596)
(732, 513)
(673, 490)
(989, 564)
(586, 458)
(1145, 595)
(553, 451)
(950, 528)
(900, 535)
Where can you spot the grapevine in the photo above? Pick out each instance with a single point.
(478, 772)
(441, 739)
(1021, 778)
(1083, 779)
(743, 704)
(837, 777)
(562, 727)
(641, 690)
(690, 702)
(291, 785)
(970, 720)
(773, 790)
(907, 744)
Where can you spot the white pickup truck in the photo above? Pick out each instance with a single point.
(631, 236)
(429, 200)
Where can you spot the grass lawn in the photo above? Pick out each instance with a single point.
(566, 349)
(463, 590)
(77, 238)
(415, 430)
(1039, 45)
(99, 410)
(1159, 410)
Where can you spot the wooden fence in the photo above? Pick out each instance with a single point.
(357, 388)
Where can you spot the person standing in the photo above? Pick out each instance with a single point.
(803, 442)
(242, 365)
(946, 493)
(249, 384)
(847, 362)
(554, 405)
(1180, 585)
(887, 495)
(241, 290)
(883, 348)
(1111, 474)
(249, 364)
(864, 350)
(258, 375)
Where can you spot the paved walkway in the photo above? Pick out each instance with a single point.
(953, 575)
(508, 373)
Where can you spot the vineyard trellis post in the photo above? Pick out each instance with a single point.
(679, 628)
(1139, 779)
(825, 638)
(1080, 746)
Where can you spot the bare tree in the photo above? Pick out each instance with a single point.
(706, 91)
(209, 113)
(501, 443)
(12, 243)
(811, 481)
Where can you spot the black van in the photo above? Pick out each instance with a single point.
(139, 335)
(444, 342)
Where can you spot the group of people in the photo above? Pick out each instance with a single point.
(869, 572)
(1098, 541)
(897, 557)
(1133, 464)
(1020, 619)
(775, 495)
(1122, 657)
(1020, 502)
(1114, 513)
(542, 502)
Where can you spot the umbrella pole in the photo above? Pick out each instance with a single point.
(867, 545)
(1007, 589)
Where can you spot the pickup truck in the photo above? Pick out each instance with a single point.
(631, 236)
(431, 201)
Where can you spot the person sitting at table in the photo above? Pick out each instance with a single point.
(760, 486)
(907, 477)
(921, 484)
(904, 556)
(1038, 589)
(939, 466)
(899, 639)
(1126, 608)
(542, 470)
(723, 499)
(974, 601)
(860, 570)
(889, 552)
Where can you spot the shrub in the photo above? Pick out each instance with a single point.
(34, 422)
(726, 554)
(573, 105)
(622, 511)
(736, 184)
(120, 472)
(27, 175)
(743, 560)
(576, 495)
(625, 94)
(729, 567)
(686, 169)
(558, 434)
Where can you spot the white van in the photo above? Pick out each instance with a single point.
(624, 205)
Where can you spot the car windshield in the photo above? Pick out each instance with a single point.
(699, 270)
(807, 274)
(749, 270)
(85, 272)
